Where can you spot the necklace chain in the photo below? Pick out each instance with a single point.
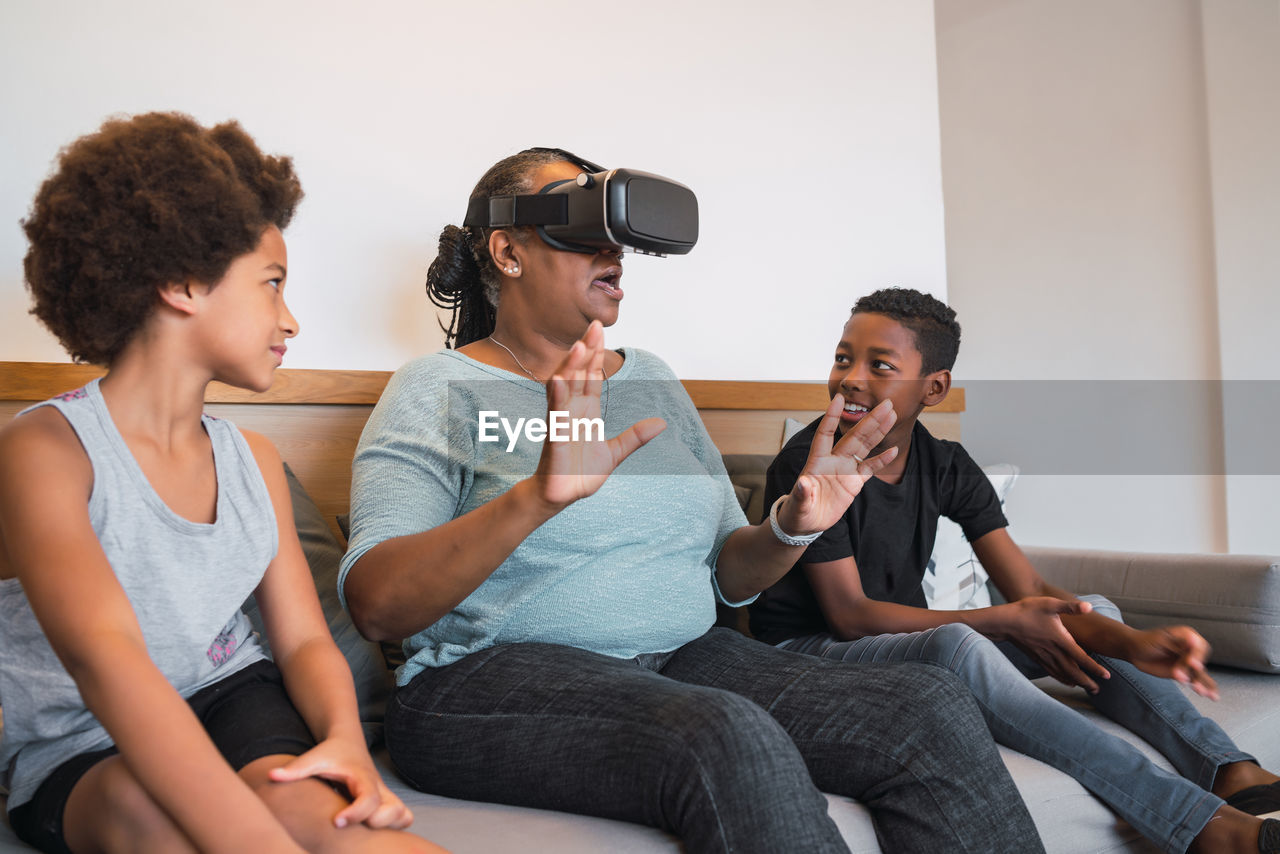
(517, 359)
(603, 408)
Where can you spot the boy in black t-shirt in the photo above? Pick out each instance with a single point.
(857, 596)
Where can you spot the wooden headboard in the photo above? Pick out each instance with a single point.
(315, 416)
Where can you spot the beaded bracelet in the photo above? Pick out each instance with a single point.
(783, 537)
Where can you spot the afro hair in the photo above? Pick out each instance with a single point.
(145, 201)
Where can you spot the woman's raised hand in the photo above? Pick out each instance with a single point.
(835, 471)
(574, 469)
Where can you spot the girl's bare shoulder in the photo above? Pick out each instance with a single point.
(43, 437)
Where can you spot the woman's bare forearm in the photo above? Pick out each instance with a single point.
(402, 585)
(751, 560)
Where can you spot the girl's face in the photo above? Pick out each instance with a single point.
(244, 321)
(565, 289)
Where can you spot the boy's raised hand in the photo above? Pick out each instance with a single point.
(834, 473)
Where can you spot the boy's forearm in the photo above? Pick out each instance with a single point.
(993, 622)
(1101, 635)
(871, 617)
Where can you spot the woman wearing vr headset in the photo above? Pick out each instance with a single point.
(558, 596)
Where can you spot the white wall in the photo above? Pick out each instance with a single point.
(1089, 239)
(1242, 79)
(809, 131)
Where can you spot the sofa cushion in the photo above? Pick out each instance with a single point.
(747, 473)
(372, 679)
(1233, 600)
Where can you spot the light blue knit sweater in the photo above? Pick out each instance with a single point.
(624, 572)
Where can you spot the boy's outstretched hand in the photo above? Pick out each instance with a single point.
(834, 473)
(1175, 652)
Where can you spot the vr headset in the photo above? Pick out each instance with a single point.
(603, 209)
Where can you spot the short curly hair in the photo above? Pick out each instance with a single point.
(144, 201)
(931, 321)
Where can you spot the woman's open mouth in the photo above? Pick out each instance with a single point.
(608, 282)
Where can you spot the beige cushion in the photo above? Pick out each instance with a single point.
(747, 473)
(1233, 600)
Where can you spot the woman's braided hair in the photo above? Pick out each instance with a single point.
(463, 278)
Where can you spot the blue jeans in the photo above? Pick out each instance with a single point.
(1169, 809)
(725, 742)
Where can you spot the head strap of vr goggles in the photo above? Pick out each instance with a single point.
(506, 211)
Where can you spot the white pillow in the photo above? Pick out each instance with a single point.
(954, 579)
(790, 427)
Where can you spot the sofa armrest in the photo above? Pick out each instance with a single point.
(1233, 600)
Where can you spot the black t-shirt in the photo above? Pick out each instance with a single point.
(888, 530)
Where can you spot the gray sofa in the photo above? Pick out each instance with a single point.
(1233, 600)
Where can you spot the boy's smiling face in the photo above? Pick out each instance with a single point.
(877, 359)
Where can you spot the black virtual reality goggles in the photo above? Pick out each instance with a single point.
(603, 209)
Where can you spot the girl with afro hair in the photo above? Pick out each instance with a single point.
(141, 713)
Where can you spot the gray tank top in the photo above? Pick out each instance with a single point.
(185, 580)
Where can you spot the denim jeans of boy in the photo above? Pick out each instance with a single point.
(725, 742)
(1169, 809)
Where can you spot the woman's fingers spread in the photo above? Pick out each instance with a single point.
(634, 437)
(595, 373)
(557, 392)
